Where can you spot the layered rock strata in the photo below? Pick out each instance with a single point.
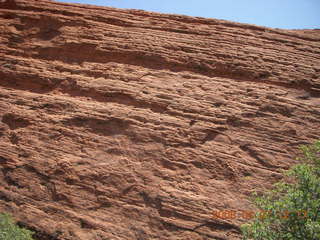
(125, 124)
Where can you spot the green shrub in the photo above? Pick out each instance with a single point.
(10, 231)
(291, 211)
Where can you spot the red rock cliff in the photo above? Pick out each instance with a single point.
(124, 124)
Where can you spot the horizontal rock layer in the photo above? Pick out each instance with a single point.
(124, 124)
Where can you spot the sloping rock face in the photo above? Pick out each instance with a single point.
(124, 124)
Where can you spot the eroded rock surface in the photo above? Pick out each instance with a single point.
(124, 124)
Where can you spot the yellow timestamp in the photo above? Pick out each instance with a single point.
(262, 214)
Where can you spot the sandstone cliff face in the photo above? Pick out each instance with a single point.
(123, 124)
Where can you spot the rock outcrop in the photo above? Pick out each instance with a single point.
(129, 125)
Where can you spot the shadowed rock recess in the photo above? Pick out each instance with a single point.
(130, 125)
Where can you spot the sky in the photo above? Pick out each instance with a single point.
(287, 14)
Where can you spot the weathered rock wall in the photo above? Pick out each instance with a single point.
(125, 124)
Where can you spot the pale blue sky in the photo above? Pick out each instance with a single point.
(290, 14)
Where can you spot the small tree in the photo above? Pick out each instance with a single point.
(10, 231)
(291, 211)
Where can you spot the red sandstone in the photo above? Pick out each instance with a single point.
(130, 125)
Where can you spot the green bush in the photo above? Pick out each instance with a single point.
(290, 211)
(10, 231)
